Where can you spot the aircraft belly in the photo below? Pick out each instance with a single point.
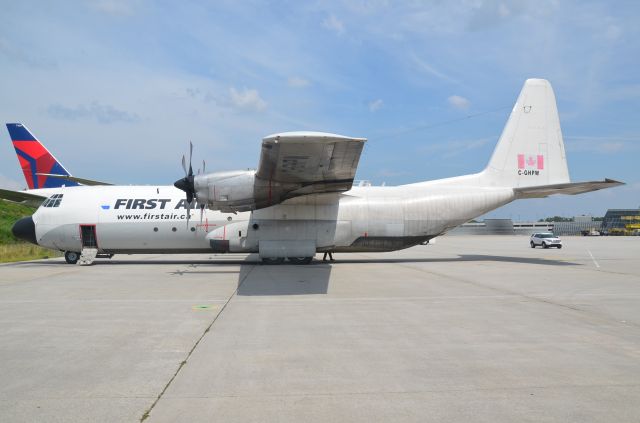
(376, 225)
(59, 237)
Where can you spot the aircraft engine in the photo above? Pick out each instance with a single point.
(231, 191)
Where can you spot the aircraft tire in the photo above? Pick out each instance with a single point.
(71, 257)
(300, 260)
(272, 260)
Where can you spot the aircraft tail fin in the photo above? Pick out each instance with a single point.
(530, 151)
(35, 160)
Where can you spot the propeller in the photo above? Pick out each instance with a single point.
(186, 184)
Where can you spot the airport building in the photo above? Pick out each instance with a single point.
(615, 222)
(621, 222)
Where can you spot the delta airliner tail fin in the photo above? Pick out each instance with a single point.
(37, 163)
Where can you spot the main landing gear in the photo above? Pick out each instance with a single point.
(72, 257)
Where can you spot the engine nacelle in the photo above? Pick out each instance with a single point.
(239, 190)
(226, 191)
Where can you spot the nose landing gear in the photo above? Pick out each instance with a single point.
(71, 257)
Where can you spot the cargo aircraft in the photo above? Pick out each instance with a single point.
(301, 201)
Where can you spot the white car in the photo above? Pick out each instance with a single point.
(545, 240)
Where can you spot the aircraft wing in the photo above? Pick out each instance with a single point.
(569, 188)
(22, 197)
(309, 162)
(82, 181)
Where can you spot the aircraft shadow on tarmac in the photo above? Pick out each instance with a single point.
(465, 258)
(317, 263)
(255, 279)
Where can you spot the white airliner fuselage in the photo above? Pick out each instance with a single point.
(145, 219)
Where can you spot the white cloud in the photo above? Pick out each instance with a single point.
(426, 67)
(389, 173)
(16, 54)
(503, 10)
(114, 7)
(333, 24)
(375, 105)
(247, 99)
(602, 145)
(297, 82)
(459, 102)
(613, 32)
(454, 148)
(103, 113)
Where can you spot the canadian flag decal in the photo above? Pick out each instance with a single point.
(530, 161)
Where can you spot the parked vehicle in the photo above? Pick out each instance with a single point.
(590, 232)
(545, 240)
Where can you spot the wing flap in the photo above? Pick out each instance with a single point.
(568, 188)
(316, 161)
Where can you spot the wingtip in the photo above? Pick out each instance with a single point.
(614, 182)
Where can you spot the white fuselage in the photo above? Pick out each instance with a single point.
(141, 219)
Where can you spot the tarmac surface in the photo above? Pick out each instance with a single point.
(471, 328)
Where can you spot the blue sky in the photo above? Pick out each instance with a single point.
(116, 89)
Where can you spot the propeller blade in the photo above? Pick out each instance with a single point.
(188, 211)
(201, 212)
(203, 167)
(187, 185)
(190, 156)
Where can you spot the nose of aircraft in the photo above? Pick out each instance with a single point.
(25, 230)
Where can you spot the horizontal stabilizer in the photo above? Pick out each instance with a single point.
(82, 181)
(22, 197)
(567, 189)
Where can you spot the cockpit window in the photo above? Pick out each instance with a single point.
(53, 201)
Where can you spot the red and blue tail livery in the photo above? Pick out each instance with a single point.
(35, 160)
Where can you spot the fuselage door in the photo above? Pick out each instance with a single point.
(88, 236)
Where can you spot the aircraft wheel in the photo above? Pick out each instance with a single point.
(300, 260)
(272, 260)
(71, 257)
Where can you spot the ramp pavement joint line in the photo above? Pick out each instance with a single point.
(147, 413)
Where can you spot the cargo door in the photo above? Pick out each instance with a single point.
(88, 236)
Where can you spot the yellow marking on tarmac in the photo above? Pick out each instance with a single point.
(202, 307)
